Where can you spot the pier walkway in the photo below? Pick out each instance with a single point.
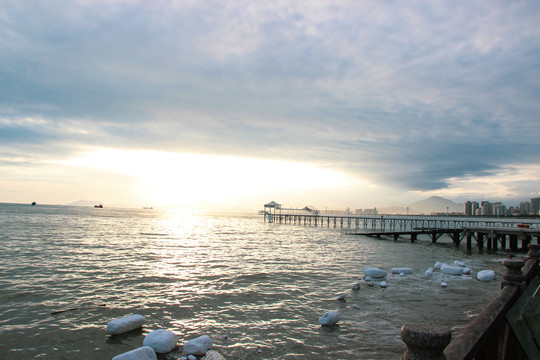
(490, 232)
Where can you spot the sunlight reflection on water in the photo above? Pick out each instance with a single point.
(264, 285)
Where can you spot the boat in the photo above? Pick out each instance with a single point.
(100, 206)
(34, 203)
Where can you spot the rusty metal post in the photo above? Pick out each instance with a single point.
(423, 342)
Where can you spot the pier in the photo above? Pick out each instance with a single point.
(491, 233)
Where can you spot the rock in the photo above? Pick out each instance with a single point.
(191, 357)
(329, 318)
(466, 270)
(443, 284)
(125, 324)
(356, 286)
(485, 275)
(374, 272)
(451, 270)
(437, 265)
(224, 336)
(429, 272)
(142, 353)
(198, 346)
(356, 306)
(460, 263)
(367, 278)
(213, 355)
(401, 270)
(161, 340)
(341, 297)
(383, 284)
(370, 284)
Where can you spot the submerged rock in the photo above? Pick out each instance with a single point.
(161, 340)
(451, 270)
(383, 284)
(485, 275)
(374, 272)
(142, 353)
(198, 346)
(460, 263)
(341, 297)
(125, 324)
(401, 270)
(356, 286)
(443, 284)
(329, 318)
(213, 355)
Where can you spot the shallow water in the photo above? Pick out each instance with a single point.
(263, 285)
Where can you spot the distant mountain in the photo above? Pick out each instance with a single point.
(435, 204)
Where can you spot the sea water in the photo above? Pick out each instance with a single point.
(256, 288)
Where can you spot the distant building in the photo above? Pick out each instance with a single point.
(366, 211)
(535, 206)
(487, 208)
(524, 208)
(474, 207)
(468, 208)
(499, 209)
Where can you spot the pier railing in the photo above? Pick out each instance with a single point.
(492, 233)
(499, 332)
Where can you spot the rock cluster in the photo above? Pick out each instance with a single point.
(160, 341)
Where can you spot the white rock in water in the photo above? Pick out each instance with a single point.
(400, 270)
(452, 270)
(460, 263)
(142, 353)
(383, 284)
(125, 324)
(329, 318)
(367, 278)
(198, 346)
(443, 284)
(374, 272)
(485, 275)
(191, 357)
(429, 272)
(437, 265)
(213, 355)
(466, 270)
(161, 340)
(341, 297)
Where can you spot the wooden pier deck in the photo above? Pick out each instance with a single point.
(491, 232)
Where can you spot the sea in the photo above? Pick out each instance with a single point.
(256, 288)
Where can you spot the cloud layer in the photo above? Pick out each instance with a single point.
(409, 94)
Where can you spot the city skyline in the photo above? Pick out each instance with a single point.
(225, 105)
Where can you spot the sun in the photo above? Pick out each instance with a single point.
(185, 179)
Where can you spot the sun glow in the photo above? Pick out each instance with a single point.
(186, 179)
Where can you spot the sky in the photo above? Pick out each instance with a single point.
(232, 104)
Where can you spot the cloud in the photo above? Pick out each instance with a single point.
(413, 95)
